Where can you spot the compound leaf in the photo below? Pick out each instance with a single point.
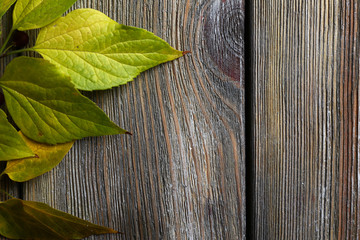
(31, 14)
(33, 220)
(97, 52)
(12, 146)
(47, 157)
(47, 108)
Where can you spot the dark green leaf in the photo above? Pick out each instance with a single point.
(32, 220)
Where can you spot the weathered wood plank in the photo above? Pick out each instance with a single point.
(181, 174)
(306, 111)
(5, 184)
(14, 189)
(349, 154)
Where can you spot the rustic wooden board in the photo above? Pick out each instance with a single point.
(305, 72)
(14, 189)
(182, 173)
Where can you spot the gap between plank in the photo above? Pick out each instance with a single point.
(249, 141)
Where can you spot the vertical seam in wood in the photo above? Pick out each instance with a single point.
(249, 163)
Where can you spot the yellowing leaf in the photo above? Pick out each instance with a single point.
(98, 53)
(12, 146)
(33, 220)
(46, 107)
(31, 14)
(48, 156)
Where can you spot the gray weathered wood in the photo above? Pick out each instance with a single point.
(5, 184)
(181, 174)
(305, 73)
(14, 189)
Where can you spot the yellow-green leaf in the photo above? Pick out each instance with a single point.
(5, 5)
(31, 14)
(47, 108)
(98, 53)
(12, 146)
(33, 220)
(48, 156)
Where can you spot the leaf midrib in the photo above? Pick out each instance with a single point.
(35, 48)
(18, 22)
(105, 55)
(28, 99)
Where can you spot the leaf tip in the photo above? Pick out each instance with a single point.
(186, 52)
(112, 231)
(129, 133)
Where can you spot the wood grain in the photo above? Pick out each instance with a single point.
(10, 187)
(5, 184)
(182, 173)
(306, 114)
(349, 154)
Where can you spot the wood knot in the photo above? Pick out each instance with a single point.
(223, 34)
(232, 29)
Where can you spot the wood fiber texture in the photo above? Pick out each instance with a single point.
(305, 73)
(182, 173)
(5, 184)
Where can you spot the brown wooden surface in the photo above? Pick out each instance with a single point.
(305, 74)
(181, 175)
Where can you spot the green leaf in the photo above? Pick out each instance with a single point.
(33, 220)
(99, 53)
(31, 14)
(48, 156)
(4, 6)
(12, 146)
(47, 108)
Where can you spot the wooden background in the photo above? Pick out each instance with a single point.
(182, 173)
(292, 97)
(305, 118)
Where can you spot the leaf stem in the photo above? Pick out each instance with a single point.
(6, 41)
(5, 54)
(6, 193)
